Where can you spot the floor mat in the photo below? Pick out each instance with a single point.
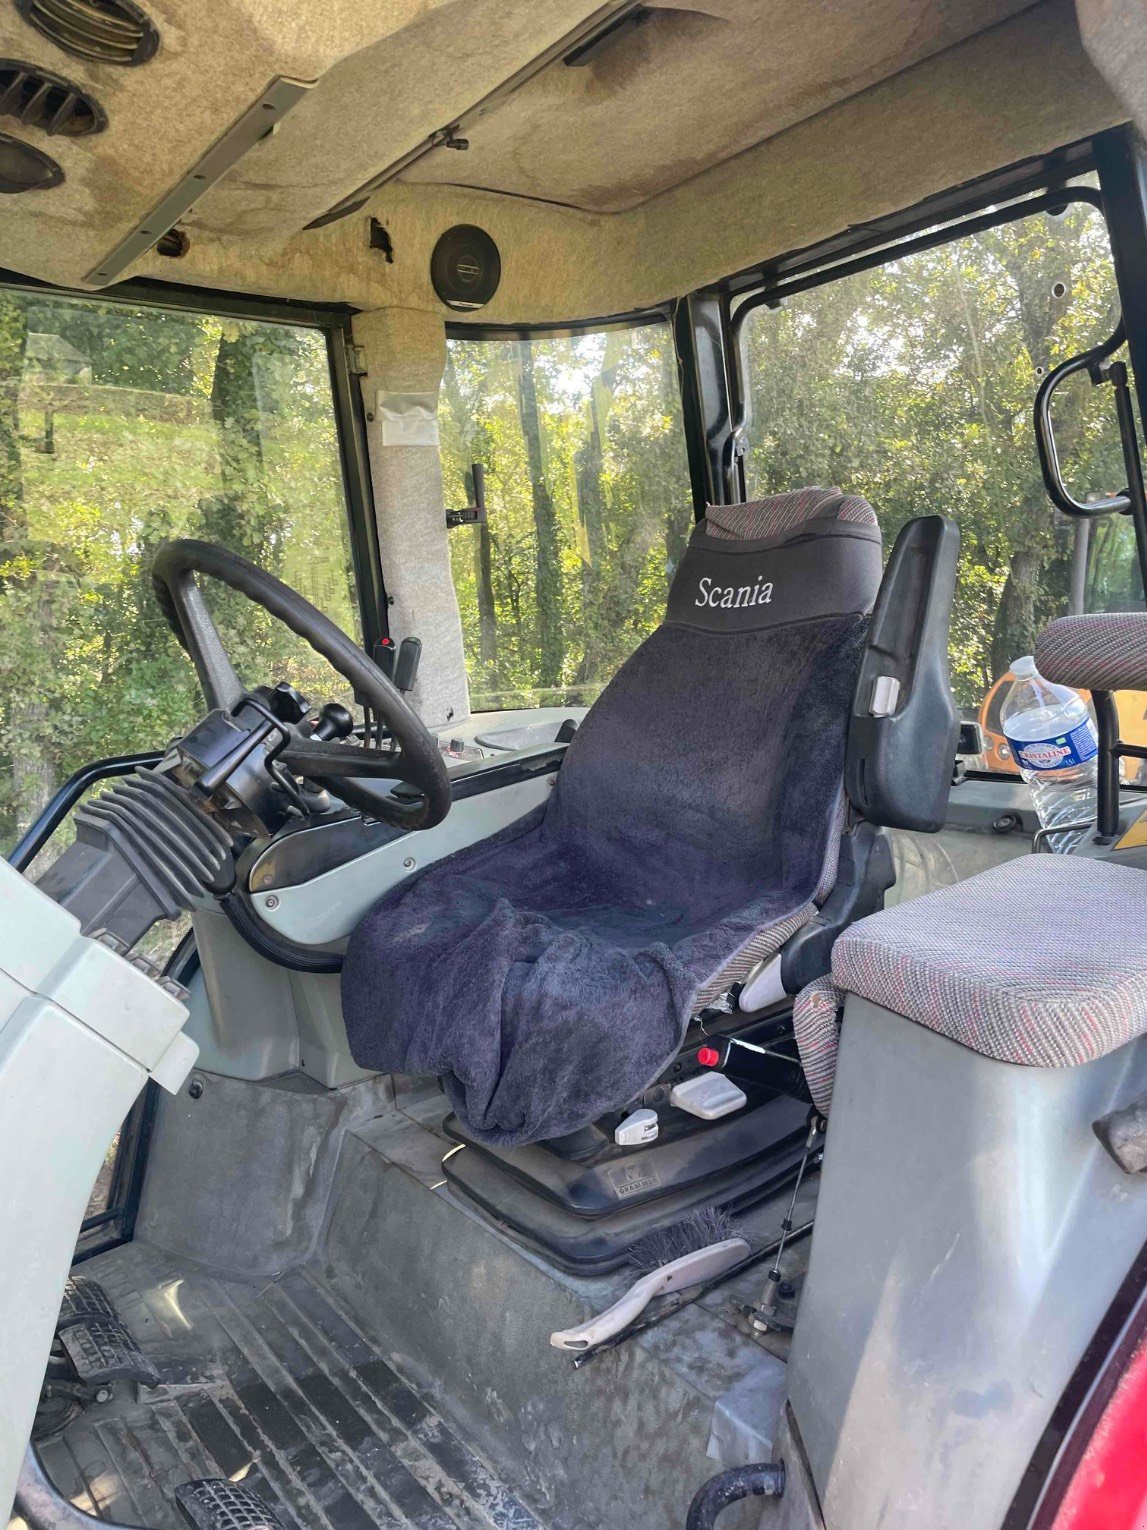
(273, 1387)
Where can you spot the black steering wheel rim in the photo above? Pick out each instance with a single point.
(418, 761)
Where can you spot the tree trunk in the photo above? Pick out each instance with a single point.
(677, 531)
(31, 768)
(487, 612)
(1014, 631)
(551, 645)
(589, 474)
(598, 572)
(238, 515)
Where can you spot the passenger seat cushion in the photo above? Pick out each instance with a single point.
(1041, 961)
(1105, 651)
(816, 1025)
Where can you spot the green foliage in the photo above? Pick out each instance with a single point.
(190, 426)
(588, 493)
(913, 385)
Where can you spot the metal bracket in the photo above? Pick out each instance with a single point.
(260, 118)
(475, 514)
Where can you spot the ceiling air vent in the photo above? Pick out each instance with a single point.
(103, 31)
(41, 100)
(23, 168)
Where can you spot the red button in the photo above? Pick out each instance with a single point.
(708, 1057)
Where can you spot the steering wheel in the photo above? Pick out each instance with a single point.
(415, 761)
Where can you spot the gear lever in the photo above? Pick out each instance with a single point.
(406, 665)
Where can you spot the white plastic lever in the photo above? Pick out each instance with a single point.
(690, 1270)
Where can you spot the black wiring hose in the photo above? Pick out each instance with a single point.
(763, 1481)
(284, 953)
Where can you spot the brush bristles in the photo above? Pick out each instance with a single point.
(664, 1244)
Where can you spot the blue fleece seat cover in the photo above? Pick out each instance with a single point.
(548, 973)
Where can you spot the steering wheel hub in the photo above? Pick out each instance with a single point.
(256, 747)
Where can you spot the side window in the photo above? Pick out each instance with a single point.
(121, 426)
(589, 509)
(913, 385)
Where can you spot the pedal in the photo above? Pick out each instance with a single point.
(102, 1350)
(84, 1299)
(214, 1503)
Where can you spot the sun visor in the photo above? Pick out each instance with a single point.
(827, 568)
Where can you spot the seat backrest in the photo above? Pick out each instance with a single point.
(715, 756)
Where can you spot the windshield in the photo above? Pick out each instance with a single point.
(589, 508)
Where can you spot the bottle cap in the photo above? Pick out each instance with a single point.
(1024, 668)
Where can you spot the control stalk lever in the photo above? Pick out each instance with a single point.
(406, 667)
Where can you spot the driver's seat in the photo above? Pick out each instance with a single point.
(548, 974)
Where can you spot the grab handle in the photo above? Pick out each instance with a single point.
(1057, 490)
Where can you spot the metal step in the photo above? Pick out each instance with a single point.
(102, 1351)
(216, 1503)
(84, 1299)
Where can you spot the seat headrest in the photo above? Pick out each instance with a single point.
(782, 512)
(1105, 651)
(796, 557)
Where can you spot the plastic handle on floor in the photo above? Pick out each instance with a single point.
(690, 1270)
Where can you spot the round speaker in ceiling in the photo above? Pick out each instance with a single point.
(465, 267)
(23, 168)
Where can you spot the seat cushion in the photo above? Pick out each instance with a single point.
(1102, 651)
(547, 975)
(1041, 961)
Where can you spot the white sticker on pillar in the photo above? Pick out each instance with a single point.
(408, 419)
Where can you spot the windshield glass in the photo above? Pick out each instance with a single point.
(589, 509)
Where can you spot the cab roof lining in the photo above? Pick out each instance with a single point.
(705, 140)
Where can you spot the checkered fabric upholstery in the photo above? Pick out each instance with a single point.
(764, 518)
(762, 944)
(1103, 652)
(816, 1025)
(1041, 961)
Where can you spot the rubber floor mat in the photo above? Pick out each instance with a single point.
(275, 1388)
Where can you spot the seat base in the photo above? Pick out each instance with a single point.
(584, 1214)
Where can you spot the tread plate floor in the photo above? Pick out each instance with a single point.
(276, 1388)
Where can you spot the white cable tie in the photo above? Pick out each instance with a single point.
(751, 1046)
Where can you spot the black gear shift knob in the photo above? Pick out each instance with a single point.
(334, 722)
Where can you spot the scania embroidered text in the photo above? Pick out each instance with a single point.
(759, 594)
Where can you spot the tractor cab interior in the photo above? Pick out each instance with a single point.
(510, 580)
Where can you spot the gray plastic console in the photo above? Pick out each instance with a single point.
(970, 1234)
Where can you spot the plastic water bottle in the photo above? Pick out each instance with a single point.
(1054, 743)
